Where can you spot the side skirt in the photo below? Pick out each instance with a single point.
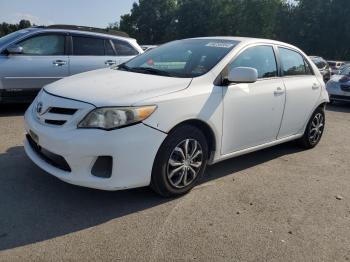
(256, 148)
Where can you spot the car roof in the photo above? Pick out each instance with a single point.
(83, 30)
(247, 40)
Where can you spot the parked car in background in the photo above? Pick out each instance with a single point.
(323, 66)
(346, 64)
(338, 86)
(148, 47)
(160, 118)
(335, 65)
(34, 57)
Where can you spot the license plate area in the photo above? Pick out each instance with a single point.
(49, 157)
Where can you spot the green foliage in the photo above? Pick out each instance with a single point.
(152, 21)
(6, 28)
(319, 27)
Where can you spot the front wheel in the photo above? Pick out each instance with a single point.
(314, 130)
(180, 162)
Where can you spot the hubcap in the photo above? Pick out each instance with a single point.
(316, 129)
(184, 163)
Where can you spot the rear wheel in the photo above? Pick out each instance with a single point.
(180, 162)
(314, 130)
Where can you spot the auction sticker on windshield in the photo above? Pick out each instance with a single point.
(219, 45)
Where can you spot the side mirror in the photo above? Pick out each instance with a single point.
(14, 50)
(243, 75)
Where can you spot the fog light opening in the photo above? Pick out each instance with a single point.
(103, 167)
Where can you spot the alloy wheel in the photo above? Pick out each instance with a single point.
(184, 163)
(316, 128)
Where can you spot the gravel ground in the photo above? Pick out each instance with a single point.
(279, 204)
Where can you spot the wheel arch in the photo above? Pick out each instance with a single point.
(207, 131)
(322, 104)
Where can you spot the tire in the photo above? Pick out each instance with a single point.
(314, 130)
(173, 173)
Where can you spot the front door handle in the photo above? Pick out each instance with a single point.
(59, 62)
(110, 62)
(278, 91)
(315, 86)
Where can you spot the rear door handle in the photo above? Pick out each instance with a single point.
(278, 91)
(315, 86)
(110, 62)
(59, 62)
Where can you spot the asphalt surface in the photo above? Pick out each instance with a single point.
(279, 204)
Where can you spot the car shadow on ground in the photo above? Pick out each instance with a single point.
(341, 107)
(35, 206)
(13, 109)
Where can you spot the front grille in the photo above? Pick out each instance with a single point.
(63, 111)
(58, 112)
(345, 88)
(57, 116)
(49, 157)
(55, 122)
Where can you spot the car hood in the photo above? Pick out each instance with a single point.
(111, 87)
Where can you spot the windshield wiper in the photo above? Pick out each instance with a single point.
(147, 70)
(124, 67)
(151, 70)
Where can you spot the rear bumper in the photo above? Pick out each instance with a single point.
(133, 150)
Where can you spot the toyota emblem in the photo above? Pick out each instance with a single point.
(39, 108)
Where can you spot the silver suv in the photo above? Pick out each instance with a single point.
(32, 58)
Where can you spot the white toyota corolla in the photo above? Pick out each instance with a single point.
(160, 118)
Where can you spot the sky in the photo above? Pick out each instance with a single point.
(78, 12)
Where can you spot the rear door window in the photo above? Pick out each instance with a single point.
(88, 46)
(293, 63)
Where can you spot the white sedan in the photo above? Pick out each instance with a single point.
(162, 117)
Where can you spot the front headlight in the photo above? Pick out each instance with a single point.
(109, 118)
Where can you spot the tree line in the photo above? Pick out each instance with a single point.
(319, 27)
(6, 28)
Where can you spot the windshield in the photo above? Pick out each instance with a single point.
(11, 37)
(184, 58)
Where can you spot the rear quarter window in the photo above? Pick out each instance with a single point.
(124, 49)
(109, 51)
